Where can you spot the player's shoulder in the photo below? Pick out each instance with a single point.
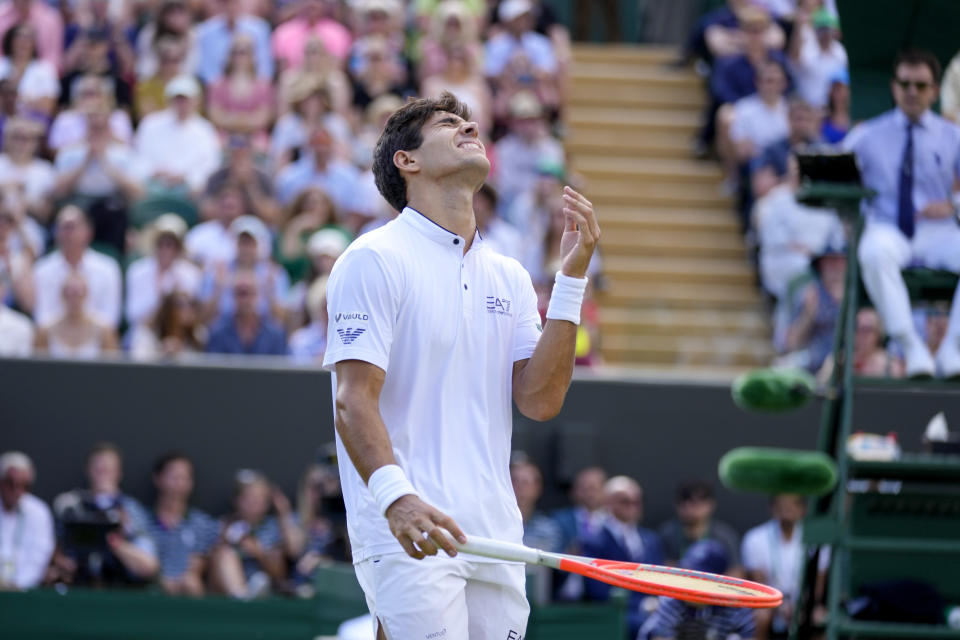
(506, 266)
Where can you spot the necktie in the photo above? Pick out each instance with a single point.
(905, 210)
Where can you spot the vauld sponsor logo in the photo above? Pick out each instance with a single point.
(357, 316)
(437, 634)
(498, 305)
(349, 334)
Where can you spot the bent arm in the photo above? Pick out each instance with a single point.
(540, 383)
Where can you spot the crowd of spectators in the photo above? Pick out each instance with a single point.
(779, 85)
(179, 176)
(266, 544)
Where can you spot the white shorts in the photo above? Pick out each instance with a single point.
(442, 598)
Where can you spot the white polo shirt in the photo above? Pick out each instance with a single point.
(446, 328)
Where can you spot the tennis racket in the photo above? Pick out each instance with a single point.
(681, 584)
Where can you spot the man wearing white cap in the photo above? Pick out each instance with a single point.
(164, 271)
(179, 149)
(518, 37)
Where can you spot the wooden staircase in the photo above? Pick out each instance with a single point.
(680, 292)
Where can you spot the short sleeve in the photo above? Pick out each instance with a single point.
(362, 306)
(527, 332)
(752, 551)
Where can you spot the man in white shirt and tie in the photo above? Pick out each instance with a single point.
(911, 158)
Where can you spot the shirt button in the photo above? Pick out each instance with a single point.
(456, 241)
(464, 286)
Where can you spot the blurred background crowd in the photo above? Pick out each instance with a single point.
(267, 544)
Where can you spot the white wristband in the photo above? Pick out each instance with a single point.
(387, 484)
(566, 298)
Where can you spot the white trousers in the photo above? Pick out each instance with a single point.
(442, 598)
(884, 251)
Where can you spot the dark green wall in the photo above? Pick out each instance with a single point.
(228, 417)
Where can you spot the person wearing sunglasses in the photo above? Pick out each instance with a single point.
(911, 158)
(26, 525)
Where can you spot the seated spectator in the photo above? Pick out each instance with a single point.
(518, 36)
(16, 257)
(380, 74)
(22, 171)
(460, 76)
(586, 516)
(789, 233)
(772, 554)
(247, 330)
(211, 242)
(309, 213)
(252, 253)
(695, 507)
(815, 52)
(171, 22)
(175, 330)
(178, 148)
(323, 518)
(911, 220)
(103, 533)
(539, 530)
(526, 145)
(379, 23)
(162, 272)
(676, 619)
(623, 538)
(452, 27)
(76, 334)
(836, 124)
(38, 86)
(17, 335)
(89, 93)
(815, 309)
(312, 20)
(498, 234)
(184, 534)
(310, 107)
(721, 34)
(950, 90)
(100, 175)
(73, 232)
(754, 122)
(319, 66)
(97, 59)
(241, 170)
(323, 249)
(100, 17)
(148, 93)
(870, 357)
(805, 129)
(239, 101)
(254, 545)
(309, 343)
(26, 524)
(43, 19)
(216, 35)
(319, 166)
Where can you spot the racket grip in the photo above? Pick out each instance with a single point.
(499, 550)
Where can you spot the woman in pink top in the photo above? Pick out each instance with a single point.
(290, 37)
(240, 102)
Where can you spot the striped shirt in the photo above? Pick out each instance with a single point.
(194, 535)
(676, 619)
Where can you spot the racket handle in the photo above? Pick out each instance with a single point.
(499, 550)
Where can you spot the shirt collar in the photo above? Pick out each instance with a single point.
(427, 227)
(923, 122)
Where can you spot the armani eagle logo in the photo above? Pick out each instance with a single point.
(350, 334)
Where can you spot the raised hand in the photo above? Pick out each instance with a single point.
(580, 234)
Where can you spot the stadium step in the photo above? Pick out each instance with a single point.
(679, 290)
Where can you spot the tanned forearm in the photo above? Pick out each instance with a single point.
(358, 419)
(540, 384)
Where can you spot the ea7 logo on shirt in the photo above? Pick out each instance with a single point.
(357, 316)
(349, 334)
(498, 305)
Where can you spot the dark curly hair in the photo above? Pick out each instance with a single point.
(403, 131)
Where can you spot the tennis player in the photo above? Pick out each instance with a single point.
(432, 335)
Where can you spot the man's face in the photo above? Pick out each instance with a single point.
(103, 472)
(588, 489)
(626, 506)
(73, 233)
(245, 296)
(253, 502)
(13, 485)
(914, 89)
(526, 483)
(804, 121)
(695, 509)
(176, 479)
(772, 81)
(451, 145)
(246, 249)
(182, 106)
(789, 508)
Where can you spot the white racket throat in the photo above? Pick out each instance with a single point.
(508, 551)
